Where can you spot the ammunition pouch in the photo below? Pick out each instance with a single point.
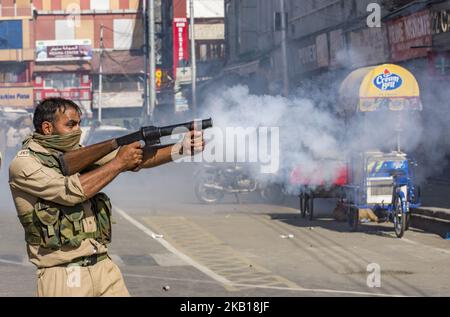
(52, 226)
(101, 205)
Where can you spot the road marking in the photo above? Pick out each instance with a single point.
(212, 252)
(224, 280)
(169, 247)
(425, 245)
(117, 259)
(12, 262)
(318, 290)
(293, 289)
(339, 254)
(169, 278)
(168, 259)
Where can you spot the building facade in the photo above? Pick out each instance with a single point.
(328, 39)
(209, 32)
(75, 37)
(174, 94)
(321, 36)
(16, 54)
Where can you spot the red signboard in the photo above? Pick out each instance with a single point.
(72, 94)
(180, 43)
(77, 94)
(410, 37)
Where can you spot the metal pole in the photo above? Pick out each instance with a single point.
(152, 87)
(146, 52)
(193, 58)
(100, 77)
(284, 50)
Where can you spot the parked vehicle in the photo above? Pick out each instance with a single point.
(213, 182)
(101, 133)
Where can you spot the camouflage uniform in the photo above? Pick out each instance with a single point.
(66, 233)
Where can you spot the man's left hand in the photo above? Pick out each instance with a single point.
(193, 143)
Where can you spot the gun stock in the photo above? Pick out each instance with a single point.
(75, 161)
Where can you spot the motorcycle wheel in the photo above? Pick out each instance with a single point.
(207, 195)
(272, 193)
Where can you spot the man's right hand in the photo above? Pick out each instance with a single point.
(130, 156)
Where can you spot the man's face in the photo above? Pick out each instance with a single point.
(65, 122)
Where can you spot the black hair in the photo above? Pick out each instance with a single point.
(47, 108)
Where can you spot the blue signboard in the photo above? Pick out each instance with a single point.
(11, 35)
(385, 168)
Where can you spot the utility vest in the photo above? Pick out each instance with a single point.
(53, 226)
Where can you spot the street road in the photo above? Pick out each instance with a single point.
(167, 244)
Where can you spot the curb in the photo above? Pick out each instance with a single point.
(431, 220)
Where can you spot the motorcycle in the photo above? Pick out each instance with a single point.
(213, 182)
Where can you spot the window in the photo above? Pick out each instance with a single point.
(13, 73)
(23, 7)
(99, 4)
(203, 52)
(64, 30)
(118, 83)
(62, 81)
(123, 34)
(10, 35)
(206, 51)
(278, 26)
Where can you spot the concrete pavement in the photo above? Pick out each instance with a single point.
(167, 244)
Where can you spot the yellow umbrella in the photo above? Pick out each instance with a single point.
(383, 87)
(389, 87)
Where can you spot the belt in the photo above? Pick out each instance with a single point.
(88, 260)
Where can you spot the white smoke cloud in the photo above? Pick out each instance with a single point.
(315, 138)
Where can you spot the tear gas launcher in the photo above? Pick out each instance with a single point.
(75, 161)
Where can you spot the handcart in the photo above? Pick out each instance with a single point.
(386, 185)
(382, 181)
(317, 185)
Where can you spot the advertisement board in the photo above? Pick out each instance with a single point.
(16, 97)
(410, 37)
(180, 44)
(64, 50)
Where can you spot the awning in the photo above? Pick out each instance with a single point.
(119, 62)
(385, 87)
(66, 67)
(243, 69)
(349, 90)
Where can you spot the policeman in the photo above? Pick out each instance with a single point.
(67, 221)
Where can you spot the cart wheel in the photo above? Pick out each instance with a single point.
(302, 205)
(310, 206)
(353, 218)
(408, 221)
(399, 217)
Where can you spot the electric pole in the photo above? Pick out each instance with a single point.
(152, 88)
(284, 50)
(100, 77)
(193, 59)
(146, 55)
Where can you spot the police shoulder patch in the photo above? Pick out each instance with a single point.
(23, 153)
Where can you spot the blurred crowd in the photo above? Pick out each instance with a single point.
(12, 133)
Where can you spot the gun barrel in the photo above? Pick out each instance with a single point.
(203, 124)
(75, 161)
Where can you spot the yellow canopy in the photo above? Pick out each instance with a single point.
(384, 87)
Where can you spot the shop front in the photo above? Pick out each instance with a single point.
(63, 70)
(16, 97)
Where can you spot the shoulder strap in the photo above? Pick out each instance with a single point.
(48, 160)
